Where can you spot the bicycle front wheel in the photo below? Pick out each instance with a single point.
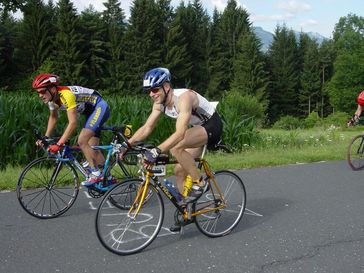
(355, 153)
(47, 188)
(129, 231)
(220, 209)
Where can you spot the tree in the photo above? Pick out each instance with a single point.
(310, 80)
(284, 79)
(327, 56)
(217, 62)
(250, 77)
(228, 28)
(36, 35)
(143, 47)
(177, 58)
(7, 45)
(68, 42)
(348, 79)
(114, 18)
(93, 47)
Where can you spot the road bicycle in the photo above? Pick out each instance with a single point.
(48, 186)
(126, 231)
(355, 153)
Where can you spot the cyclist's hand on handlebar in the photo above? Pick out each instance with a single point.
(54, 148)
(150, 156)
(125, 146)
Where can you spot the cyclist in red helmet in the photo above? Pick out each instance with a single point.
(356, 116)
(75, 99)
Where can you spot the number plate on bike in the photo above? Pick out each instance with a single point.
(159, 170)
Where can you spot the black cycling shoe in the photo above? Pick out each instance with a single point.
(176, 227)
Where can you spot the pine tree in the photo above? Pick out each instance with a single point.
(217, 62)
(7, 44)
(114, 18)
(67, 45)
(310, 80)
(250, 77)
(93, 47)
(143, 48)
(177, 58)
(36, 35)
(227, 28)
(282, 56)
(327, 57)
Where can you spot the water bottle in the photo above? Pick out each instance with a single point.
(171, 188)
(86, 166)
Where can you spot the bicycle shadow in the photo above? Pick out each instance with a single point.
(256, 213)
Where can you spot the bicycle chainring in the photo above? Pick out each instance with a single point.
(95, 193)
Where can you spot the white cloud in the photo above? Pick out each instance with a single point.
(274, 17)
(293, 6)
(309, 22)
(219, 4)
(83, 4)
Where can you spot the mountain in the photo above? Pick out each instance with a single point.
(266, 37)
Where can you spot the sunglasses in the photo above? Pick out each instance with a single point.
(154, 90)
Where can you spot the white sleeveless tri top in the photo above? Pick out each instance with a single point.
(199, 116)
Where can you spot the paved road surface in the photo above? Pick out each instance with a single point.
(299, 218)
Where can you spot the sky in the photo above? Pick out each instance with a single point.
(301, 15)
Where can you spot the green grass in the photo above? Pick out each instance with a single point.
(275, 147)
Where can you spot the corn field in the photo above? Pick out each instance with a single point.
(23, 112)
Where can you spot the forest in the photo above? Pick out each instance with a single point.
(215, 55)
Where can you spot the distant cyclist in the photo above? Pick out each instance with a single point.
(359, 110)
(197, 124)
(75, 99)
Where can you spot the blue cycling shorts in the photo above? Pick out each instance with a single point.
(97, 117)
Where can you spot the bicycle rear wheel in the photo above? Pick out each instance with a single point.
(356, 153)
(126, 168)
(127, 231)
(47, 188)
(224, 206)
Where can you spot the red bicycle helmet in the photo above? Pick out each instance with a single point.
(360, 99)
(45, 80)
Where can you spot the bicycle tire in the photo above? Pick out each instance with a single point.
(126, 168)
(122, 171)
(220, 222)
(355, 153)
(121, 233)
(41, 199)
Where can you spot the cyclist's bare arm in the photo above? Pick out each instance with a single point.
(52, 120)
(144, 131)
(358, 111)
(71, 126)
(184, 106)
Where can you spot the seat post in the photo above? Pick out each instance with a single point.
(203, 151)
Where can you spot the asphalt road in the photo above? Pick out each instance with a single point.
(299, 218)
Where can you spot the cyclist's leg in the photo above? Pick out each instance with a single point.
(195, 138)
(180, 172)
(91, 133)
(84, 141)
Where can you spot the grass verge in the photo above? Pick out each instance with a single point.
(276, 147)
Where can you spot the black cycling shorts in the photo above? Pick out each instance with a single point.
(213, 129)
